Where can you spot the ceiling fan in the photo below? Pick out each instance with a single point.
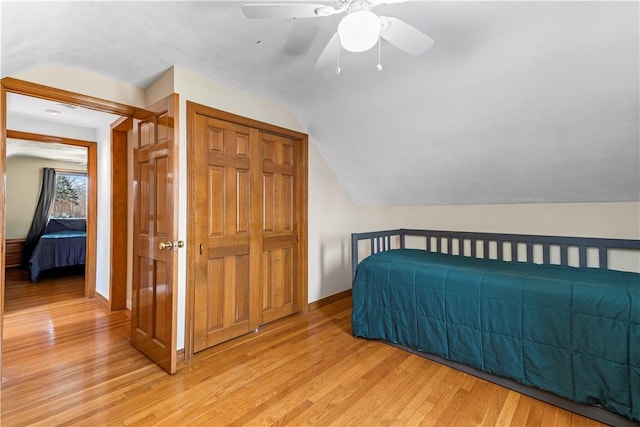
(358, 31)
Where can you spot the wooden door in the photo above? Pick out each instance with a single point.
(279, 226)
(245, 192)
(227, 274)
(154, 294)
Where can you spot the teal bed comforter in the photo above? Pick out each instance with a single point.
(571, 331)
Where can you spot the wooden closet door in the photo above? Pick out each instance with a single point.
(227, 274)
(279, 227)
(247, 225)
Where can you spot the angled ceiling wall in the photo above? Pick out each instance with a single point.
(517, 102)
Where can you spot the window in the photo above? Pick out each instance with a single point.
(71, 195)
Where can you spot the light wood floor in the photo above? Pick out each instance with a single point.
(67, 361)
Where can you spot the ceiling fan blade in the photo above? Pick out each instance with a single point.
(286, 10)
(329, 53)
(405, 37)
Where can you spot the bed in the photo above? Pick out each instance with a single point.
(63, 244)
(543, 315)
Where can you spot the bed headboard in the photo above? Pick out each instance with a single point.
(506, 247)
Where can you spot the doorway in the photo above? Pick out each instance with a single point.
(63, 98)
(27, 154)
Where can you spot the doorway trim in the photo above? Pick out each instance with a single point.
(119, 213)
(21, 87)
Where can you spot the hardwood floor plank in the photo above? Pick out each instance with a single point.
(521, 411)
(493, 399)
(326, 392)
(67, 361)
(474, 408)
(549, 417)
(419, 403)
(379, 397)
(536, 411)
(289, 405)
(508, 409)
(396, 401)
(357, 389)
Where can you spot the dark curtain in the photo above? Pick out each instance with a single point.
(41, 217)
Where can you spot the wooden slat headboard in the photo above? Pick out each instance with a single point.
(507, 247)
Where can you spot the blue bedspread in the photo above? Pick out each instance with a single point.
(572, 331)
(60, 249)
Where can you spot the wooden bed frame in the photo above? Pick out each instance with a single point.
(574, 251)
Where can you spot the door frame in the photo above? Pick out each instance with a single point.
(301, 287)
(21, 87)
(119, 213)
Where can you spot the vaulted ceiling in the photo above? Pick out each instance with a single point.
(516, 101)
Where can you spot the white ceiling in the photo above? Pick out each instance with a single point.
(516, 101)
(55, 112)
(45, 117)
(46, 150)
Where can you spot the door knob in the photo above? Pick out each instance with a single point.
(171, 245)
(165, 245)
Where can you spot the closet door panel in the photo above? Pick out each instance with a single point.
(279, 238)
(222, 295)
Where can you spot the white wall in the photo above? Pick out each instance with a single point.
(332, 218)
(84, 82)
(612, 220)
(24, 180)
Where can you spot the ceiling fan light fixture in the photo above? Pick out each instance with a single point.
(359, 31)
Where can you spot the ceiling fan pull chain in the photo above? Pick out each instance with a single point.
(379, 66)
(338, 69)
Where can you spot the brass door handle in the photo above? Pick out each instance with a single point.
(171, 245)
(165, 245)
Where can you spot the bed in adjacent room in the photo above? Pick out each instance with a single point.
(569, 335)
(63, 244)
